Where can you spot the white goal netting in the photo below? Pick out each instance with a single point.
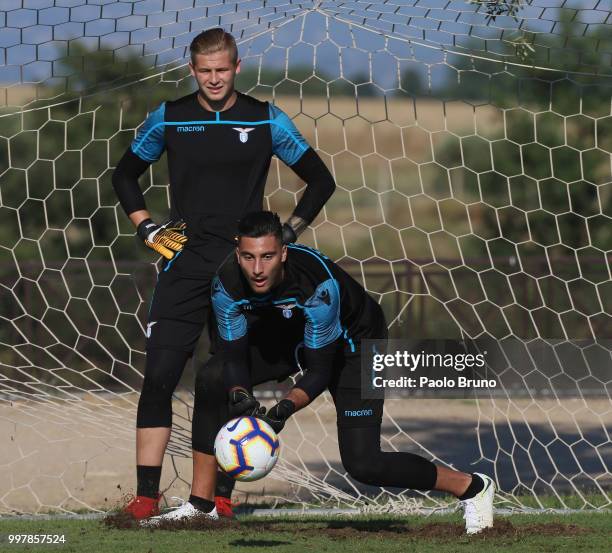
(471, 144)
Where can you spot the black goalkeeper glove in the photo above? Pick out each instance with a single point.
(167, 239)
(242, 404)
(289, 235)
(278, 414)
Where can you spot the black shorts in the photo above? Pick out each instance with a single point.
(351, 409)
(180, 307)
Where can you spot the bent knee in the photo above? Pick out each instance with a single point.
(364, 470)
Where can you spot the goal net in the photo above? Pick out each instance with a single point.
(470, 142)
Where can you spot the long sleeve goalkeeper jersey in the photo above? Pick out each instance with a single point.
(218, 162)
(316, 301)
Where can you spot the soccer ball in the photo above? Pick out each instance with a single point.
(247, 448)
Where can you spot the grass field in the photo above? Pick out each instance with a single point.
(517, 533)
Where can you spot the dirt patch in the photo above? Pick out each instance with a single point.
(120, 521)
(354, 529)
(125, 521)
(334, 529)
(501, 529)
(556, 529)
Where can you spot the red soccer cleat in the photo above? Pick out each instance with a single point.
(143, 507)
(224, 506)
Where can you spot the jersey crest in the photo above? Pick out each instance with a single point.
(244, 132)
(287, 309)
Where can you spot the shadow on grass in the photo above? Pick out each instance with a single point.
(259, 543)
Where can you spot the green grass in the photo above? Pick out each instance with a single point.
(588, 500)
(518, 533)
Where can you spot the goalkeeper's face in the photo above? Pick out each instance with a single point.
(261, 260)
(215, 74)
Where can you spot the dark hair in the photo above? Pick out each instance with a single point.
(260, 223)
(214, 40)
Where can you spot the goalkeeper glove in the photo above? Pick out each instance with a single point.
(289, 235)
(278, 414)
(242, 404)
(292, 228)
(167, 239)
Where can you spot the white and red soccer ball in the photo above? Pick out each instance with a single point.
(247, 448)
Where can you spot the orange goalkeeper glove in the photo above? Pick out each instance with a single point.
(167, 239)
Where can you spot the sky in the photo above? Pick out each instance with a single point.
(35, 34)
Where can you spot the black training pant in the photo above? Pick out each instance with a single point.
(179, 311)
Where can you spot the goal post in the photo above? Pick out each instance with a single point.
(470, 143)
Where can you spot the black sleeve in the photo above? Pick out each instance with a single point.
(125, 181)
(319, 364)
(319, 181)
(235, 363)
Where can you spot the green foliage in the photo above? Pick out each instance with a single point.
(508, 8)
(544, 183)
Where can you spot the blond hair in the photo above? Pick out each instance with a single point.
(214, 40)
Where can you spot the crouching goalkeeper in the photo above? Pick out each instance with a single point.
(269, 298)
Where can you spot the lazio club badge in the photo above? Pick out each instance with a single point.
(243, 133)
(287, 310)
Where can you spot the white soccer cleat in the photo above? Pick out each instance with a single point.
(478, 511)
(183, 513)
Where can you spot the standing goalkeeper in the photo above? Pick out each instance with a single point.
(219, 144)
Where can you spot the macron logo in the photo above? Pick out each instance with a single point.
(191, 128)
(359, 413)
